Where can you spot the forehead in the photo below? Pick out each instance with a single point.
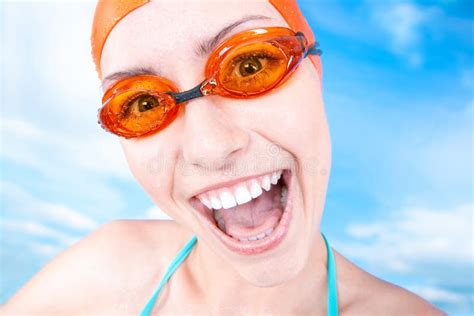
(161, 33)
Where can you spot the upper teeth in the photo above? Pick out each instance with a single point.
(239, 193)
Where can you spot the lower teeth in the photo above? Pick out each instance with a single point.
(221, 224)
(284, 196)
(259, 236)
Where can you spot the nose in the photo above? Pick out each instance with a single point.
(211, 139)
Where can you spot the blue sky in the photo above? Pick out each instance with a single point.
(398, 78)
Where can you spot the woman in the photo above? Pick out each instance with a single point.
(219, 112)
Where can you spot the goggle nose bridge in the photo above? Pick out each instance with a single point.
(204, 88)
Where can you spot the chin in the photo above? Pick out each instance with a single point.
(274, 271)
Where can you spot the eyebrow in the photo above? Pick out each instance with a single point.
(202, 48)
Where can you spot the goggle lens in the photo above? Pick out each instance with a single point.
(248, 64)
(139, 105)
(252, 69)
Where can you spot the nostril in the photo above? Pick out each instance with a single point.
(214, 153)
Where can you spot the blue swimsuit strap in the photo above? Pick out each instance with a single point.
(184, 252)
(332, 285)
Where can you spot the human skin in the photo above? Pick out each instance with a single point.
(286, 129)
(214, 139)
(217, 132)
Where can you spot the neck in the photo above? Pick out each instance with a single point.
(224, 289)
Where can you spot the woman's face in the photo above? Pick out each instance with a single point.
(216, 139)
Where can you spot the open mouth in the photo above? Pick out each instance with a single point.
(251, 216)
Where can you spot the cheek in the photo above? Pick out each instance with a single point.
(149, 165)
(305, 122)
(294, 117)
(302, 107)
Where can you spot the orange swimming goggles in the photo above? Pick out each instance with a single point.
(249, 64)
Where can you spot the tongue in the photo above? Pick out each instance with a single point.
(255, 216)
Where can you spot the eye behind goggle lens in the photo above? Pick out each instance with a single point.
(138, 106)
(256, 67)
(252, 69)
(132, 113)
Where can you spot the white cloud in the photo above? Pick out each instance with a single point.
(51, 121)
(365, 231)
(43, 227)
(403, 22)
(432, 246)
(39, 230)
(436, 294)
(32, 228)
(66, 216)
(22, 203)
(60, 167)
(329, 14)
(49, 150)
(441, 142)
(55, 54)
(45, 250)
(420, 156)
(155, 212)
(402, 240)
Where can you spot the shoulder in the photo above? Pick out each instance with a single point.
(389, 299)
(111, 263)
(361, 293)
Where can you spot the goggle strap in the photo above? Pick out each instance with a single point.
(313, 50)
(184, 96)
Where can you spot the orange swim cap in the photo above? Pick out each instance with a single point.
(109, 12)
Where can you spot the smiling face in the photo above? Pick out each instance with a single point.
(222, 151)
